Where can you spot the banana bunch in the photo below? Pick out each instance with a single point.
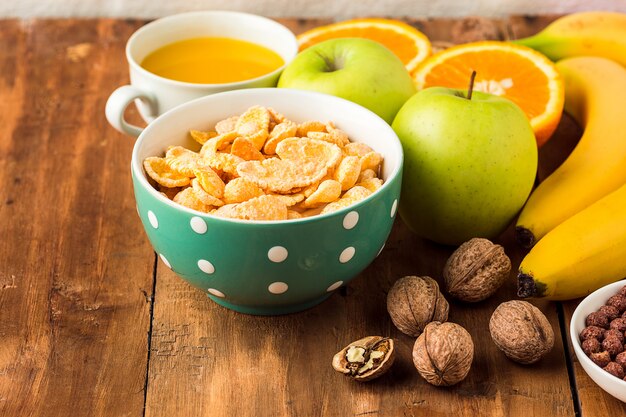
(578, 214)
(580, 255)
(600, 34)
(597, 166)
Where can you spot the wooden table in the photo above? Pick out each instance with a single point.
(91, 324)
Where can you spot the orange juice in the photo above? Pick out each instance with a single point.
(212, 60)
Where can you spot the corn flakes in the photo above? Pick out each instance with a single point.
(280, 132)
(210, 182)
(201, 137)
(202, 195)
(347, 173)
(246, 150)
(182, 160)
(327, 192)
(310, 126)
(188, 198)
(159, 170)
(265, 207)
(240, 189)
(254, 125)
(371, 160)
(261, 166)
(227, 125)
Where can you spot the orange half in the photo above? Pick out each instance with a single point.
(408, 43)
(521, 74)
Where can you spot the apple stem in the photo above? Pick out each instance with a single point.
(470, 89)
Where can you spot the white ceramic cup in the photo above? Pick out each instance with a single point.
(154, 95)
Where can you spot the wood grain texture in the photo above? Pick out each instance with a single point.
(208, 360)
(76, 276)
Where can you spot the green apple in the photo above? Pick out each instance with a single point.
(359, 70)
(469, 165)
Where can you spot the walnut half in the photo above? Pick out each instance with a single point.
(366, 358)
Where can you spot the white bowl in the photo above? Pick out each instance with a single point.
(591, 303)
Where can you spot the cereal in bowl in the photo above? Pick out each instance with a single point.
(261, 166)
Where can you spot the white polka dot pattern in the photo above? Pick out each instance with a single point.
(216, 293)
(198, 225)
(206, 266)
(334, 286)
(152, 218)
(165, 261)
(350, 220)
(277, 287)
(347, 254)
(394, 207)
(277, 254)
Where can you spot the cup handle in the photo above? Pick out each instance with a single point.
(117, 103)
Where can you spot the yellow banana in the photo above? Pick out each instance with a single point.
(580, 255)
(587, 33)
(595, 95)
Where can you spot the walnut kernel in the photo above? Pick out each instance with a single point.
(365, 359)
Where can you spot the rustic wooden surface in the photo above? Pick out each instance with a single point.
(91, 325)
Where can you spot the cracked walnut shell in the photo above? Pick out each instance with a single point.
(365, 359)
(521, 331)
(413, 302)
(476, 270)
(443, 353)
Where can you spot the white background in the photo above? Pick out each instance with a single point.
(337, 9)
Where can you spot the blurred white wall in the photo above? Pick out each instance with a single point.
(338, 9)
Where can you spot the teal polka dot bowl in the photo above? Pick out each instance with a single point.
(268, 267)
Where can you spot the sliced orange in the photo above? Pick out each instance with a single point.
(408, 43)
(516, 72)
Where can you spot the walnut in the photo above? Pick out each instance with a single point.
(601, 359)
(612, 345)
(615, 369)
(365, 359)
(476, 270)
(610, 311)
(443, 353)
(413, 302)
(521, 331)
(597, 319)
(591, 346)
